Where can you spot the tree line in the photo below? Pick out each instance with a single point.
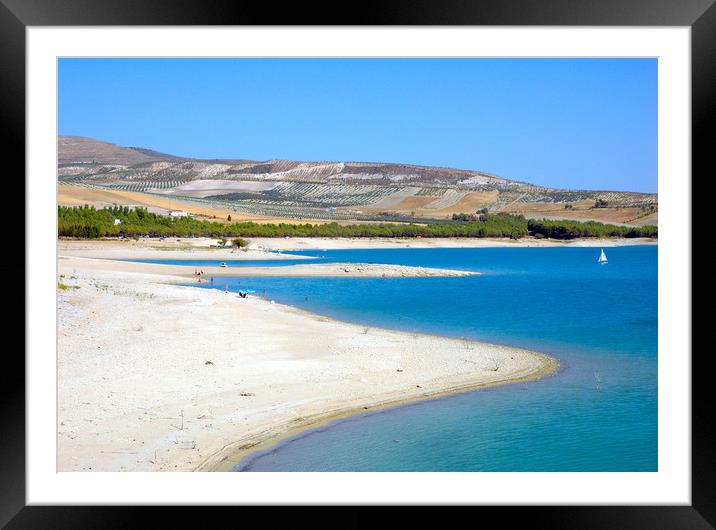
(567, 229)
(89, 222)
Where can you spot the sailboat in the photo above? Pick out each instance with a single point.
(602, 257)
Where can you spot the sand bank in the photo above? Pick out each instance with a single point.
(159, 377)
(185, 274)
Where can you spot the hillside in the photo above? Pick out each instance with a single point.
(333, 190)
(78, 151)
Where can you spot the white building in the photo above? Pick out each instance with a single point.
(117, 222)
(177, 213)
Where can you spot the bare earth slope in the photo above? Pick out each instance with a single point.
(332, 190)
(77, 149)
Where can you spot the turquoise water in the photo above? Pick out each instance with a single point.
(599, 320)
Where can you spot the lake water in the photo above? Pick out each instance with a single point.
(598, 413)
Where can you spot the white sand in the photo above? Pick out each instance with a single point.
(151, 375)
(185, 274)
(317, 243)
(199, 248)
(264, 248)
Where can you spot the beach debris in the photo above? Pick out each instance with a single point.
(363, 380)
(203, 415)
(208, 362)
(399, 369)
(272, 302)
(494, 364)
(246, 394)
(419, 386)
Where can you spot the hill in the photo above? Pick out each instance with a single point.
(79, 151)
(334, 190)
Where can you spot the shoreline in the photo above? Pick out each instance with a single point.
(137, 390)
(165, 248)
(309, 270)
(339, 243)
(261, 248)
(241, 451)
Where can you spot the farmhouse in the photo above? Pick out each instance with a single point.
(177, 213)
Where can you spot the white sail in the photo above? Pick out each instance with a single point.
(602, 257)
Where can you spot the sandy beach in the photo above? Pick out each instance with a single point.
(318, 243)
(197, 248)
(184, 274)
(270, 248)
(154, 376)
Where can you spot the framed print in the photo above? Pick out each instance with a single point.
(440, 257)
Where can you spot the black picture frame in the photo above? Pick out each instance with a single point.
(700, 15)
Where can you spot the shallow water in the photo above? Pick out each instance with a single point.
(598, 413)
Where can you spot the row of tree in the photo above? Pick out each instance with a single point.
(566, 229)
(89, 222)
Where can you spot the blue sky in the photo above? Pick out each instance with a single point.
(567, 123)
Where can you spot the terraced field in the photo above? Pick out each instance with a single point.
(333, 190)
(143, 185)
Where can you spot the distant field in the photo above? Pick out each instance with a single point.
(439, 203)
(77, 195)
(584, 211)
(70, 195)
(297, 203)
